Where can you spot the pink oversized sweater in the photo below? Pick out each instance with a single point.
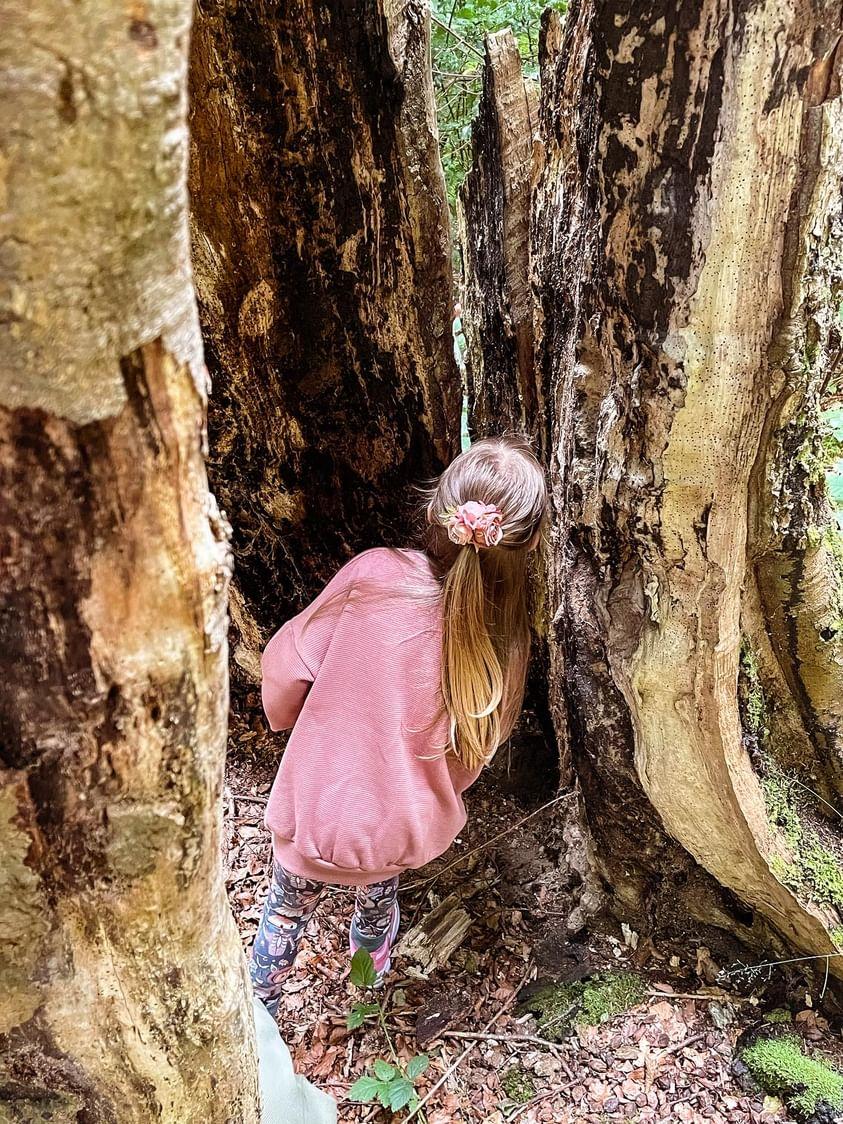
(365, 789)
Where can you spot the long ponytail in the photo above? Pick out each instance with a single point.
(485, 623)
(472, 672)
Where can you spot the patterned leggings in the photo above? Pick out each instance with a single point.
(289, 906)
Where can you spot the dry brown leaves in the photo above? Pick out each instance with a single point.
(664, 1061)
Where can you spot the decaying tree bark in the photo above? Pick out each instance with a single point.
(686, 261)
(322, 258)
(123, 991)
(668, 204)
(793, 609)
(494, 215)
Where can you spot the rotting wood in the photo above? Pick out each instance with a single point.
(430, 944)
(321, 250)
(123, 988)
(494, 215)
(658, 393)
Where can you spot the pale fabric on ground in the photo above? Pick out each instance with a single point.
(286, 1097)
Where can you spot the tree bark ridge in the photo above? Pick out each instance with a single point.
(494, 215)
(667, 222)
(323, 271)
(124, 990)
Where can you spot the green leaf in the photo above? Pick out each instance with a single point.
(383, 1070)
(363, 972)
(359, 1013)
(400, 1092)
(383, 1093)
(365, 1088)
(417, 1065)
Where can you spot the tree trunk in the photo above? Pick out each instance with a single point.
(494, 215)
(124, 992)
(685, 248)
(793, 609)
(322, 256)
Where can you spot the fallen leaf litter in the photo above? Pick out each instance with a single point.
(668, 1059)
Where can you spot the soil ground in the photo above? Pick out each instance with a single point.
(668, 1059)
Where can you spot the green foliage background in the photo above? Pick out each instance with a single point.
(459, 27)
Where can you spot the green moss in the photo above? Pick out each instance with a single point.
(610, 993)
(836, 935)
(779, 1015)
(815, 870)
(518, 1085)
(555, 1007)
(824, 873)
(751, 700)
(780, 1067)
(592, 1001)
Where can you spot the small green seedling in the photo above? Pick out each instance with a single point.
(392, 1084)
(362, 975)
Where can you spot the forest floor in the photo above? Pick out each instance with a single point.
(669, 1058)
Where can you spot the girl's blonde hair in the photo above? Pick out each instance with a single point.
(485, 619)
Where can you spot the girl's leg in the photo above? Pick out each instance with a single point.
(289, 906)
(375, 922)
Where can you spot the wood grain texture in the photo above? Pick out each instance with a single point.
(322, 260)
(123, 990)
(668, 177)
(494, 214)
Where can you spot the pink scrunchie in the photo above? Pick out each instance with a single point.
(476, 523)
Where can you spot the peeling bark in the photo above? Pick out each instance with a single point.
(322, 258)
(667, 223)
(494, 214)
(124, 991)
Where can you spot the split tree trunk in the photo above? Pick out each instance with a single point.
(123, 992)
(322, 257)
(685, 248)
(494, 215)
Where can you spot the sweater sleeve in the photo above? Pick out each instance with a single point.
(291, 659)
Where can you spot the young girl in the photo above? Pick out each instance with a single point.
(399, 682)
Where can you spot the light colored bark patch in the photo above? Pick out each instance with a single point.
(96, 259)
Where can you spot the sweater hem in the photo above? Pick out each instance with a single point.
(285, 852)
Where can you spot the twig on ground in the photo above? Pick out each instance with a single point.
(249, 799)
(678, 1046)
(569, 1073)
(541, 1097)
(461, 1057)
(742, 969)
(560, 1017)
(704, 995)
(471, 1036)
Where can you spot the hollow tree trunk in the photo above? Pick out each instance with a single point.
(322, 256)
(685, 217)
(494, 214)
(123, 992)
